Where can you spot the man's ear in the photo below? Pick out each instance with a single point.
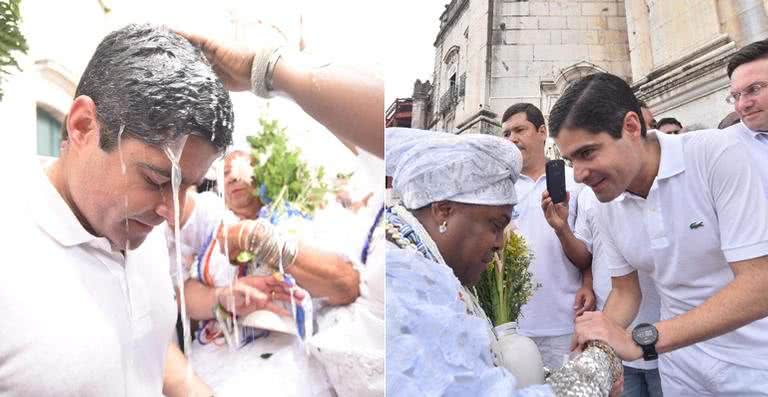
(82, 124)
(632, 126)
(543, 130)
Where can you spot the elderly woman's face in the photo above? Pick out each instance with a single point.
(474, 233)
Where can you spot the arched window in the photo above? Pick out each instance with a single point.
(48, 134)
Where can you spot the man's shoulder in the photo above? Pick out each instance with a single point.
(709, 143)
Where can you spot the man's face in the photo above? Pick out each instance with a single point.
(124, 207)
(650, 123)
(237, 181)
(475, 233)
(672, 129)
(530, 140)
(605, 164)
(749, 80)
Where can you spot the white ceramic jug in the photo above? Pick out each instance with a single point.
(520, 355)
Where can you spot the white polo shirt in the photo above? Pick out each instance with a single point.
(706, 208)
(587, 231)
(757, 142)
(76, 320)
(549, 312)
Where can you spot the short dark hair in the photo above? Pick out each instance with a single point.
(597, 103)
(642, 104)
(668, 120)
(532, 113)
(157, 86)
(748, 53)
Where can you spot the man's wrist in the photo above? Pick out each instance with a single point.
(637, 351)
(563, 231)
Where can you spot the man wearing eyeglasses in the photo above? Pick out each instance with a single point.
(748, 71)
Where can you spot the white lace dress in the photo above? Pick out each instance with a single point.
(434, 348)
(350, 342)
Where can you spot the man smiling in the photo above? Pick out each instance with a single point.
(748, 70)
(689, 211)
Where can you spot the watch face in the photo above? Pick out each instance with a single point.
(645, 334)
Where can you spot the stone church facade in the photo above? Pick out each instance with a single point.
(491, 54)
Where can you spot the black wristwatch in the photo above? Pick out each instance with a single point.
(646, 335)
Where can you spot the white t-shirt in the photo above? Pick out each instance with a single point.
(706, 208)
(757, 142)
(587, 231)
(549, 312)
(76, 319)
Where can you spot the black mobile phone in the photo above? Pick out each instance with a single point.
(555, 170)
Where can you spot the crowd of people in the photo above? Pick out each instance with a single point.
(120, 209)
(658, 250)
(650, 272)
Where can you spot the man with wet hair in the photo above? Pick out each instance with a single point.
(674, 207)
(93, 312)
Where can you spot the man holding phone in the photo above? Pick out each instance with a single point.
(564, 293)
(689, 211)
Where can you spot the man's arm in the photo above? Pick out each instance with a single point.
(326, 274)
(610, 325)
(349, 102)
(323, 274)
(585, 296)
(557, 217)
(178, 378)
(333, 95)
(741, 302)
(248, 294)
(624, 299)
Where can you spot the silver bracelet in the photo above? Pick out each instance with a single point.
(290, 252)
(262, 69)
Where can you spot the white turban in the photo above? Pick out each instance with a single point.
(428, 166)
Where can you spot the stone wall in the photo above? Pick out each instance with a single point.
(536, 43)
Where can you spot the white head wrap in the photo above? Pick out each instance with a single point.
(428, 166)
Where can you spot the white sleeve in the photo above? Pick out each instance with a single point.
(740, 202)
(611, 255)
(585, 220)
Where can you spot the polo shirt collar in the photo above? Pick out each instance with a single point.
(53, 215)
(671, 160)
(753, 133)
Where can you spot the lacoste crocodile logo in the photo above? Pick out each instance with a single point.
(696, 225)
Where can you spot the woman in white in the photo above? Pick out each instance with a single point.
(457, 197)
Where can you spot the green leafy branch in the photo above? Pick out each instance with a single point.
(285, 177)
(11, 39)
(507, 284)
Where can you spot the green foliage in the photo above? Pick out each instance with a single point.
(11, 38)
(281, 170)
(507, 284)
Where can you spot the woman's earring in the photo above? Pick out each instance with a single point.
(443, 227)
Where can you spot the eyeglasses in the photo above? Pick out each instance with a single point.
(750, 92)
